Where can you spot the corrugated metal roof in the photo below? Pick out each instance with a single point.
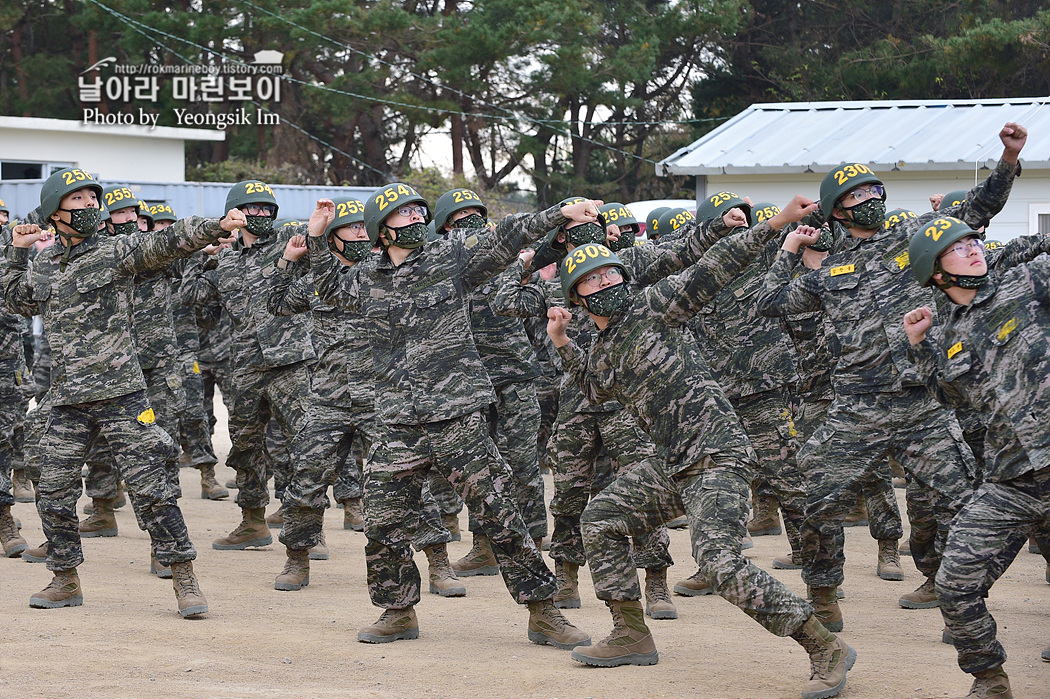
(894, 134)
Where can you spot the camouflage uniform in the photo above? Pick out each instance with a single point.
(215, 335)
(650, 361)
(431, 391)
(13, 401)
(994, 354)
(546, 384)
(880, 407)
(97, 384)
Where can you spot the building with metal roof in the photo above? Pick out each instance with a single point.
(918, 147)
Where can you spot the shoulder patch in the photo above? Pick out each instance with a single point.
(954, 349)
(842, 269)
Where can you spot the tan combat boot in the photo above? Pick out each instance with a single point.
(1046, 654)
(296, 573)
(10, 539)
(21, 487)
(630, 642)
(210, 488)
(858, 516)
(826, 607)
(548, 626)
(187, 591)
(889, 567)
(791, 561)
(102, 521)
(353, 515)
(658, 602)
(63, 591)
(766, 521)
(392, 625)
(156, 567)
(37, 555)
(693, 586)
(829, 659)
(924, 597)
(479, 560)
(451, 523)
(568, 594)
(118, 502)
(990, 684)
(276, 520)
(320, 551)
(250, 532)
(443, 580)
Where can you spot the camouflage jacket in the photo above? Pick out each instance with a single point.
(418, 317)
(152, 322)
(501, 340)
(187, 335)
(12, 325)
(86, 307)
(649, 360)
(867, 288)
(994, 354)
(344, 375)
(241, 282)
(199, 292)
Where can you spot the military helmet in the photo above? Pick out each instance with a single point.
(954, 198)
(652, 220)
(617, 213)
(3, 207)
(928, 244)
(251, 192)
(347, 210)
(116, 197)
(897, 216)
(580, 262)
(456, 200)
(673, 219)
(63, 182)
(385, 201)
(163, 212)
(144, 211)
(552, 235)
(762, 212)
(992, 244)
(716, 206)
(840, 182)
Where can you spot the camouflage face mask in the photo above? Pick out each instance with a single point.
(470, 221)
(353, 250)
(411, 236)
(259, 225)
(84, 221)
(608, 300)
(125, 228)
(585, 233)
(869, 214)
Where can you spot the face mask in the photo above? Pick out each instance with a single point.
(585, 233)
(626, 240)
(353, 250)
(963, 281)
(84, 221)
(608, 300)
(470, 221)
(259, 225)
(826, 240)
(868, 214)
(125, 228)
(411, 236)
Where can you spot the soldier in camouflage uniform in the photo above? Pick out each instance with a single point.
(269, 353)
(643, 355)
(990, 352)
(81, 288)
(12, 416)
(432, 392)
(880, 407)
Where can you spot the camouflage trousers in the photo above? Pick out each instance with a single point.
(547, 392)
(277, 455)
(767, 419)
(258, 395)
(513, 422)
(322, 451)
(577, 442)
(131, 431)
(985, 537)
(880, 502)
(36, 421)
(12, 421)
(847, 455)
(713, 495)
(462, 451)
(349, 482)
(215, 374)
(194, 426)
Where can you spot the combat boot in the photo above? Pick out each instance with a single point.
(678, 523)
(904, 548)
(568, 594)
(451, 523)
(393, 625)
(10, 539)
(693, 586)
(990, 684)
(889, 567)
(21, 487)
(187, 591)
(320, 551)
(62, 591)
(829, 659)
(1046, 654)
(658, 602)
(630, 642)
(443, 580)
(276, 520)
(479, 560)
(826, 607)
(156, 567)
(858, 516)
(296, 573)
(102, 521)
(37, 555)
(766, 521)
(924, 597)
(353, 515)
(791, 561)
(251, 531)
(210, 488)
(548, 626)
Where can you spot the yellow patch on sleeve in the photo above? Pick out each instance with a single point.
(902, 260)
(844, 269)
(196, 367)
(147, 417)
(954, 349)
(1008, 327)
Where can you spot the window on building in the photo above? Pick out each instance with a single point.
(1039, 218)
(26, 170)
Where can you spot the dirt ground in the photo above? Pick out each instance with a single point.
(128, 641)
